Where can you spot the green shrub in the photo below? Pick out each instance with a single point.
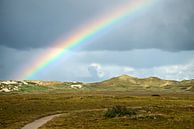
(119, 111)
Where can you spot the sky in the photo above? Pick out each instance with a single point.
(156, 41)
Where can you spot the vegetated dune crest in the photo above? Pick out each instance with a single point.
(123, 82)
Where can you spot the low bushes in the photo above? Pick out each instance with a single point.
(118, 111)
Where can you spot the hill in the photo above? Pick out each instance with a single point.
(36, 85)
(120, 83)
(130, 83)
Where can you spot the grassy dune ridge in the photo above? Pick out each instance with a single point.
(120, 83)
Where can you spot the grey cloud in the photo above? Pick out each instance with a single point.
(35, 23)
(166, 25)
(143, 58)
(92, 66)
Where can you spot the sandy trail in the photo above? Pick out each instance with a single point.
(38, 123)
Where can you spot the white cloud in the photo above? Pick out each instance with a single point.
(129, 69)
(96, 70)
(177, 72)
(79, 66)
(174, 72)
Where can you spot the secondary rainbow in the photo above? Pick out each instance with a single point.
(82, 35)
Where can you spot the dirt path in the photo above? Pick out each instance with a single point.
(38, 123)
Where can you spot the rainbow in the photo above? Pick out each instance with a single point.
(81, 36)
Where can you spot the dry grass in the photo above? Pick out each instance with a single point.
(173, 117)
(170, 111)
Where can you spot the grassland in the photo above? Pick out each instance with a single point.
(162, 112)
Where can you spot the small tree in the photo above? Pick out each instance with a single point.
(119, 111)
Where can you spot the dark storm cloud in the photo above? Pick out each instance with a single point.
(35, 23)
(166, 25)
